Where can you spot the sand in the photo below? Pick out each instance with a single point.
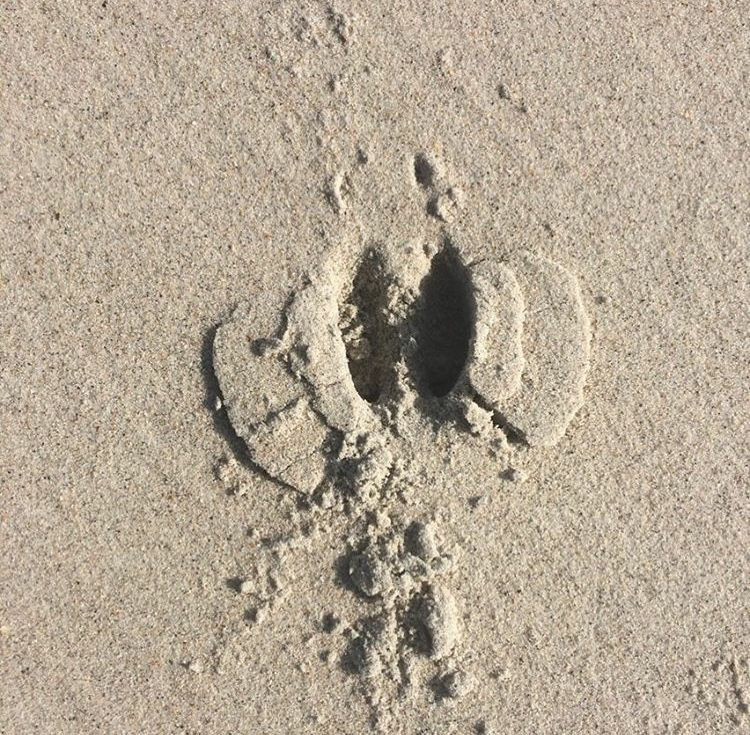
(374, 368)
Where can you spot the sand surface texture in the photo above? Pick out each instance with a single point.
(374, 367)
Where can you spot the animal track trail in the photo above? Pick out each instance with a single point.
(353, 343)
(377, 340)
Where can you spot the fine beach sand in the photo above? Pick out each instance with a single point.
(373, 367)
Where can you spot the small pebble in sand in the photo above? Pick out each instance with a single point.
(339, 190)
(514, 474)
(423, 540)
(195, 667)
(477, 501)
(327, 498)
(257, 614)
(247, 587)
(457, 684)
(478, 419)
(440, 618)
(226, 469)
(370, 574)
(447, 206)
